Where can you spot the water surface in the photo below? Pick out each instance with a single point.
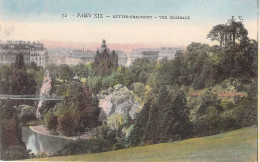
(42, 143)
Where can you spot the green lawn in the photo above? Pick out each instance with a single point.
(239, 145)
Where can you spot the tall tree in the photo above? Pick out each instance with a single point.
(85, 107)
(217, 33)
(105, 61)
(19, 62)
(228, 33)
(237, 30)
(21, 82)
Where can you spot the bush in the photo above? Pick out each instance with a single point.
(15, 152)
(104, 132)
(35, 122)
(208, 124)
(41, 155)
(27, 114)
(51, 121)
(86, 146)
(66, 124)
(139, 89)
(223, 85)
(118, 145)
(95, 83)
(61, 89)
(46, 106)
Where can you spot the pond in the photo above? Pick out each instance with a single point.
(42, 143)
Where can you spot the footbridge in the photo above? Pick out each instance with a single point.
(29, 97)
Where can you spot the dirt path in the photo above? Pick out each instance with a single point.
(41, 129)
(220, 94)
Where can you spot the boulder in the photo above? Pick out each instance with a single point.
(118, 100)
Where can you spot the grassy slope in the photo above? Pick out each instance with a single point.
(239, 145)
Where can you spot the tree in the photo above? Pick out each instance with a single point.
(27, 114)
(34, 66)
(217, 33)
(51, 121)
(105, 61)
(95, 83)
(80, 71)
(12, 145)
(237, 30)
(5, 79)
(163, 118)
(66, 121)
(139, 129)
(209, 100)
(85, 107)
(228, 33)
(21, 82)
(19, 62)
(65, 73)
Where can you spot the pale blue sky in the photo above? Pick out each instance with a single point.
(215, 9)
(41, 19)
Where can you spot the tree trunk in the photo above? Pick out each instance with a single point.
(221, 40)
(234, 38)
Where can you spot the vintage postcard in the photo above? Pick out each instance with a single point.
(129, 80)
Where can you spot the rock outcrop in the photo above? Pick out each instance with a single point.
(118, 100)
(44, 92)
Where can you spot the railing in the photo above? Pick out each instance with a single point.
(29, 97)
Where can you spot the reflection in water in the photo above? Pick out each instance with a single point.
(41, 143)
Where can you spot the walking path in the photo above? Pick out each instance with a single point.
(220, 94)
(41, 129)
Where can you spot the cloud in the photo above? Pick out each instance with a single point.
(7, 30)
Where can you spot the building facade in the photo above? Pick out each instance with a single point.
(75, 57)
(31, 51)
(82, 56)
(154, 54)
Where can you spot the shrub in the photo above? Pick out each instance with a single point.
(208, 124)
(223, 85)
(27, 114)
(15, 152)
(35, 122)
(104, 132)
(66, 124)
(51, 121)
(41, 155)
(139, 89)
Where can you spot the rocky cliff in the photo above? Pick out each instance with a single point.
(44, 92)
(118, 100)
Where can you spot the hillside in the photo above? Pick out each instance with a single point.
(238, 145)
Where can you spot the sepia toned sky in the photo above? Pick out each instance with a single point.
(42, 20)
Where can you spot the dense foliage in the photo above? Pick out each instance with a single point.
(19, 79)
(105, 61)
(163, 118)
(181, 96)
(78, 111)
(104, 140)
(170, 112)
(12, 146)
